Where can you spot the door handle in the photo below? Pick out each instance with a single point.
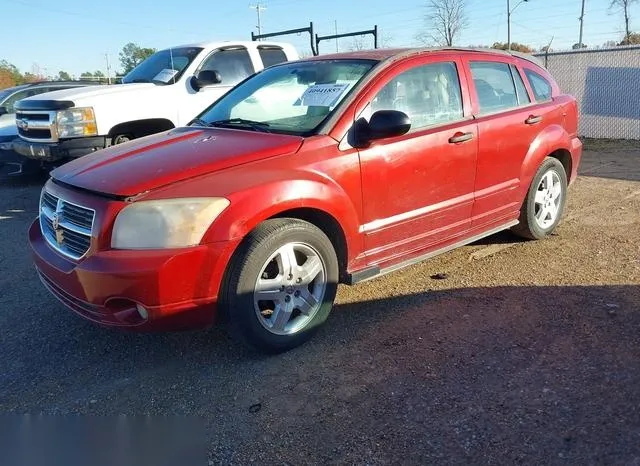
(460, 137)
(532, 120)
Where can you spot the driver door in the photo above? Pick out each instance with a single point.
(233, 64)
(418, 188)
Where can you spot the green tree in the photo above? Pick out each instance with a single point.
(64, 76)
(9, 75)
(132, 55)
(86, 75)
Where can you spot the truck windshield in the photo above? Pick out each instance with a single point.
(163, 67)
(293, 98)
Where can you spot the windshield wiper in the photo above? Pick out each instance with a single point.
(234, 122)
(199, 122)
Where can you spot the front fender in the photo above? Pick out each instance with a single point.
(550, 139)
(250, 207)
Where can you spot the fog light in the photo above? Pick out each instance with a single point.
(142, 311)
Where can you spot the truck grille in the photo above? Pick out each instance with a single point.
(37, 126)
(66, 226)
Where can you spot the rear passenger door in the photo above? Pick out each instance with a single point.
(508, 120)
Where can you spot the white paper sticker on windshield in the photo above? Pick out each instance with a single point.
(323, 95)
(165, 75)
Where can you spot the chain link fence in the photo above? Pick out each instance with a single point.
(606, 83)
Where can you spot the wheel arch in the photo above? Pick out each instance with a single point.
(554, 142)
(329, 225)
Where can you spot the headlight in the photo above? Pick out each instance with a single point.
(76, 122)
(168, 223)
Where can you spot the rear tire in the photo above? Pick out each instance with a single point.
(280, 285)
(544, 205)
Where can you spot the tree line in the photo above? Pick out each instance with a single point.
(445, 20)
(130, 56)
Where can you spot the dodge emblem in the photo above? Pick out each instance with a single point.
(55, 221)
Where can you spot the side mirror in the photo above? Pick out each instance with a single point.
(387, 124)
(3, 111)
(205, 78)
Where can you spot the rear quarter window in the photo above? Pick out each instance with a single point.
(542, 89)
(272, 56)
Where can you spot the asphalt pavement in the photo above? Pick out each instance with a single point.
(502, 352)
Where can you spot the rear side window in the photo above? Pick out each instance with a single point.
(271, 56)
(494, 85)
(541, 87)
(521, 90)
(234, 65)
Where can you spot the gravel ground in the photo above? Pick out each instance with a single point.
(528, 352)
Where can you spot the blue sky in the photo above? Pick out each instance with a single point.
(75, 35)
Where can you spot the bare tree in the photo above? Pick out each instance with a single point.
(363, 43)
(444, 22)
(624, 5)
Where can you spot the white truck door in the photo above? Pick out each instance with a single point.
(233, 63)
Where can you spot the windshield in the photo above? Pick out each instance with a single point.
(4, 93)
(163, 67)
(293, 98)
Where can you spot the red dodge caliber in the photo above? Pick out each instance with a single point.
(334, 169)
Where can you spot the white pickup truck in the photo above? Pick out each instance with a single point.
(167, 90)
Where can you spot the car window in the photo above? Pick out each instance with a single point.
(234, 65)
(541, 87)
(290, 98)
(11, 101)
(523, 95)
(272, 56)
(428, 94)
(494, 85)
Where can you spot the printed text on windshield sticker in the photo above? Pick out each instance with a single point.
(322, 95)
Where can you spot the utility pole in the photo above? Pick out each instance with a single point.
(106, 57)
(581, 24)
(335, 23)
(259, 9)
(509, 12)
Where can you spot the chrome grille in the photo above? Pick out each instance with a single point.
(66, 226)
(37, 126)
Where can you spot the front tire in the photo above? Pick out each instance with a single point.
(544, 205)
(280, 285)
(121, 139)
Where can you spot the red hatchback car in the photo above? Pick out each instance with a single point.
(333, 169)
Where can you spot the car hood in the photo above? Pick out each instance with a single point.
(79, 94)
(161, 159)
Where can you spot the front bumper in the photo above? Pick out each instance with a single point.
(178, 288)
(61, 150)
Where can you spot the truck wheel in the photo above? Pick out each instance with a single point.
(280, 285)
(121, 138)
(545, 201)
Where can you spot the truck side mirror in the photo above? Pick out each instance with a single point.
(205, 78)
(3, 111)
